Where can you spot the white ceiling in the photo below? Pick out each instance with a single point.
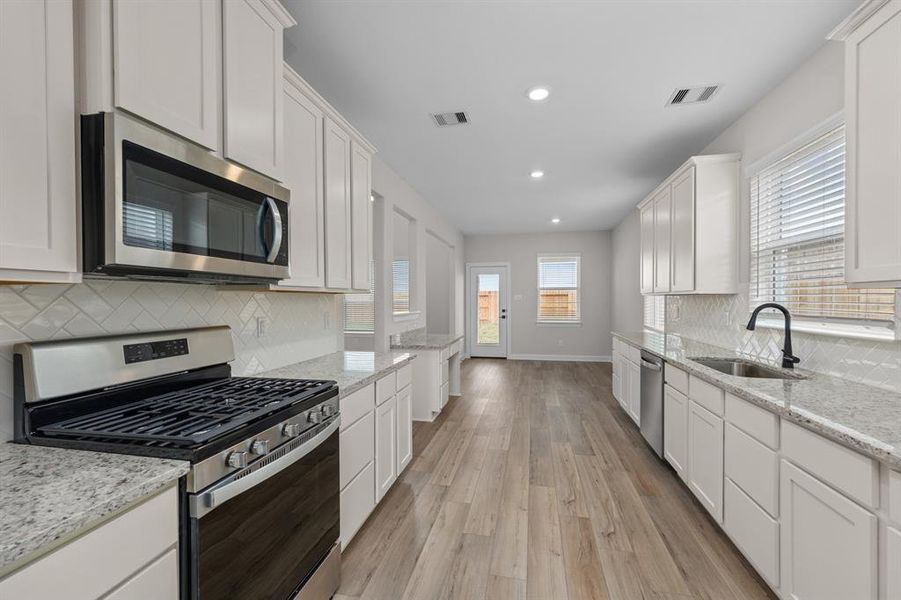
(604, 138)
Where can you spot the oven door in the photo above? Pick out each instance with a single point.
(262, 532)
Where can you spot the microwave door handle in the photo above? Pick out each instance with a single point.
(276, 228)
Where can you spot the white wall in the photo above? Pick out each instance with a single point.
(439, 281)
(591, 340)
(397, 193)
(626, 302)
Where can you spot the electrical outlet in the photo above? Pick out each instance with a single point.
(262, 326)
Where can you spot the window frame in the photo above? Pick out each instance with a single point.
(577, 321)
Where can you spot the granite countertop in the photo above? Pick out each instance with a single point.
(860, 416)
(50, 495)
(352, 370)
(420, 339)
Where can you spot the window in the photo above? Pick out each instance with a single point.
(400, 270)
(401, 265)
(655, 312)
(558, 289)
(797, 238)
(359, 309)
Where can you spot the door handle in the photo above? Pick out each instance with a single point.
(276, 217)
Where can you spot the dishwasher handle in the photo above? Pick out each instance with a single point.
(649, 365)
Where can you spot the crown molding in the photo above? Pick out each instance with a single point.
(855, 19)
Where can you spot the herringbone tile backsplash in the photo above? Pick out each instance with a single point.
(297, 326)
(721, 320)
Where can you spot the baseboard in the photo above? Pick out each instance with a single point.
(560, 357)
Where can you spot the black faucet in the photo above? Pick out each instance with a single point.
(788, 359)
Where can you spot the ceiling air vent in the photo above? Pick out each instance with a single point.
(450, 118)
(693, 95)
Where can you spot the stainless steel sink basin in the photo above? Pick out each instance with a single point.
(745, 368)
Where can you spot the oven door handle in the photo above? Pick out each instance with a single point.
(201, 504)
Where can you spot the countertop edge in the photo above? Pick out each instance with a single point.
(350, 389)
(427, 346)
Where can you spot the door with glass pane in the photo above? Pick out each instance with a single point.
(488, 312)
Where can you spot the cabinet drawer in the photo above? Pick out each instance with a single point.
(894, 496)
(404, 376)
(158, 580)
(706, 394)
(676, 377)
(759, 423)
(103, 558)
(753, 531)
(357, 501)
(356, 405)
(635, 355)
(356, 448)
(851, 472)
(753, 467)
(444, 371)
(385, 388)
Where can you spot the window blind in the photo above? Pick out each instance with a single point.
(147, 227)
(797, 237)
(400, 269)
(359, 309)
(655, 312)
(558, 289)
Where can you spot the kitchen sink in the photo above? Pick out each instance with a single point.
(745, 368)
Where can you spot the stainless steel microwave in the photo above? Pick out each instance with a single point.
(155, 206)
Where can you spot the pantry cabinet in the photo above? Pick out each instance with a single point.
(167, 65)
(689, 229)
(873, 144)
(38, 234)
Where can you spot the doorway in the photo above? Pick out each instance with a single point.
(489, 317)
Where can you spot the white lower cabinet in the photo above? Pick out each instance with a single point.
(154, 581)
(705, 458)
(404, 428)
(892, 563)
(754, 531)
(634, 391)
(828, 542)
(754, 467)
(356, 448)
(385, 447)
(675, 430)
(357, 502)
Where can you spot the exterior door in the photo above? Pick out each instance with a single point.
(488, 311)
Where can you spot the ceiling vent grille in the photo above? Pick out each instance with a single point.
(450, 118)
(692, 95)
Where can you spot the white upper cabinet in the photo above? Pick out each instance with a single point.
(873, 138)
(361, 215)
(166, 59)
(337, 207)
(253, 70)
(37, 142)
(303, 176)
(689, 229)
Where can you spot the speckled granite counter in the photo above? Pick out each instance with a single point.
(419, 339)
(862, 417)
(352, 370)
(49, 495)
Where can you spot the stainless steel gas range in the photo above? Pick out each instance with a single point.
(260, 505)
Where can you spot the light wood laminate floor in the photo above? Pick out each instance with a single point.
(535, 484)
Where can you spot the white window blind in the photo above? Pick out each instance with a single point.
(147, 226)
(797, 237)
(558, 289)
(655, 312)
(400, 269)
(359, 309)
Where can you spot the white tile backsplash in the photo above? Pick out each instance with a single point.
(297, 326)
(721, 320)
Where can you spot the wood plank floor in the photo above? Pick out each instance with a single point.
(535, 485)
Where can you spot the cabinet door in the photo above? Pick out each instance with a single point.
(617, 384)
(357, 502)
(37, 141)
(873, 138)
(662, 239)
(705, 458)
(166, 65)
(683, 232)
(404, 428)
(893, 560)
(385, 447)
(634, 392)
(675, 430)
(253, 73)
(646, 224)
(828, 542)
(361, 216)
(303, 175)
(337, 207)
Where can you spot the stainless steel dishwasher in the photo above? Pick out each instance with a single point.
(652, 401)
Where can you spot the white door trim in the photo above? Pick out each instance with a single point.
(471, 332)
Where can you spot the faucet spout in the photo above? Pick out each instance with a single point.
(789, 360)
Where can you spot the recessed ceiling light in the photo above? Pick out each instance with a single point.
(555, 220)
(537, 94)
(537, 174)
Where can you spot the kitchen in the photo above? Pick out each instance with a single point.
(288, 310)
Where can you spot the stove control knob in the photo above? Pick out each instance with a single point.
(328, 410)
(314, 417)
(291, 430)
(237, 459)
(260, 447)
